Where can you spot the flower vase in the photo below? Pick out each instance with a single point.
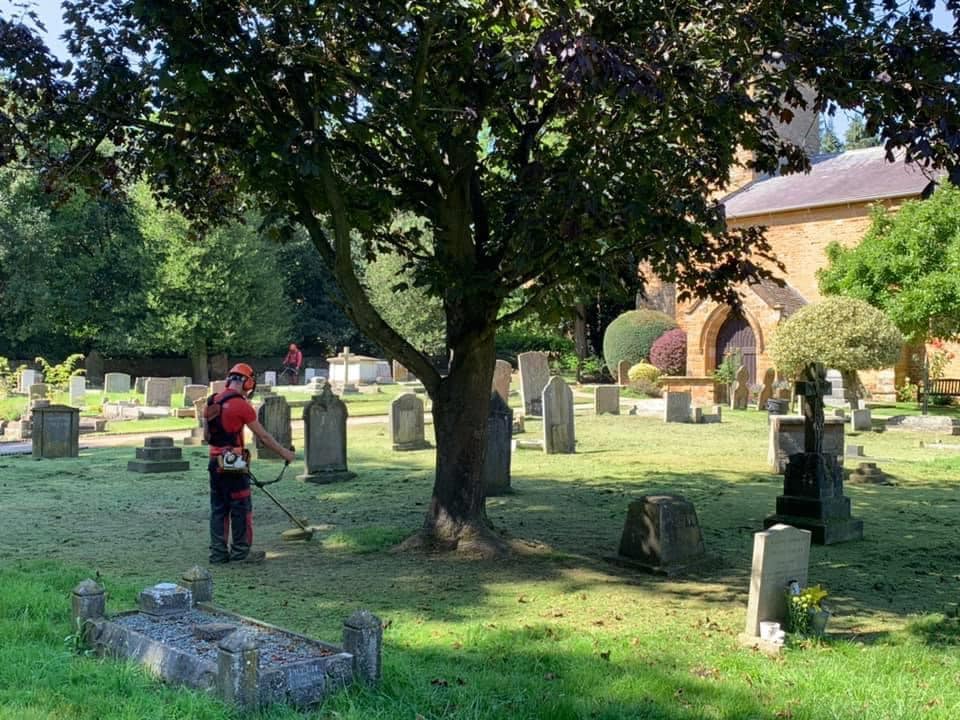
(818, 622)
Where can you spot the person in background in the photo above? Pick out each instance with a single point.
(292, 364)
(231, 508)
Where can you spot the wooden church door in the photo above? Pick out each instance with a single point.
(736, 334)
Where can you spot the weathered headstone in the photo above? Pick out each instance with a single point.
(270, 377)
(192, 393)
(766, 391)
(740, 389)
(140, 384)
(325, 439)
(861, 420)
(178, 383)
(606, 399)
(309, 374)
(623, 372)
(813, 496)
(854, 451)
(274, 415)
(218, 386)
(676, 407)
(158, 455)
(534, 374)
(93, 367)
(781, 554)
(28, 378)
(116, 382)
(157, 392)
(406, 423)
(787, 435)
(661, 533)
(496, 461)
(39, 391)
(56, 431)
(78, 390)
(196, 432)
(502, 372)
(558, 427)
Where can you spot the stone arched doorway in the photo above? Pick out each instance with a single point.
(736, 334)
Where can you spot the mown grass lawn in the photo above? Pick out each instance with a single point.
(555, 631)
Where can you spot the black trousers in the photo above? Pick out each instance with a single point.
(231, 514)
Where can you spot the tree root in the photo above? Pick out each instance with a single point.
(470, 541)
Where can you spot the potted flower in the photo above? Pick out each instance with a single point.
(805, 612)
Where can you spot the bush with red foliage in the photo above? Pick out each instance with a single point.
(669, 352)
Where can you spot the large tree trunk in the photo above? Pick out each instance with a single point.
(198, 362)
(457, 516)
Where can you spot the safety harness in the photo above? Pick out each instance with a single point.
(217, 436)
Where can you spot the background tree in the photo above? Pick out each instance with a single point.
(541, 142)
(220, 293)
(829, 142)
(856, 135)
(845, 334)
(908, 265)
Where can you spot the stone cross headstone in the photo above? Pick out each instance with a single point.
(623, 372)
(348, 387)
(496, 461)
(740, 390)
(502, 371)
(558, 427)
(56, 431)
(325, 439)
(78, 390)
(781, 554)
(406, 422)
(534, 374)
(676, 407)
(813, 496)
(766, 392)
(661, 533)
(274, 415)
(116, 383)
(606, 399)
(157, 392)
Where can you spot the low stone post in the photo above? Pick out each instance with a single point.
(237, 668)
(199, 582)
(88, 603)
(363, 638)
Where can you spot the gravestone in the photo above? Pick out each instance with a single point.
(158, 455)
(28, 378)
(861, 420)
(270, 377)
(766, 391)
(178, 383)
(140, 385)
(781, 554)
(715, 416)
(116, 382)
(217, 386)
(740, 389)
(558, 428)
(623, 372)
(309, 374)
(787, 436)
(496, 462)
(192, 393)
(93, 367)
(534, 374)
(676, 407)
(813, 496)
(78, 390)
(406, 423)
(400, 373)
(274, 415)
(39, 391)
(325, 439)
(502, 372)
(854, 451)
(662, 534)
(157, 392)
(606, 399)
(55, 431)
(347, 388)
(196, 432)
(867, 473)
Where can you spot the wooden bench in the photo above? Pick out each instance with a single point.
(949, 387)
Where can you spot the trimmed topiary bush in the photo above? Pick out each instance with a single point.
(669, 352)
(630, 336)
(643, 371)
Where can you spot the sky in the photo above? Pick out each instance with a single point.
(50, 14)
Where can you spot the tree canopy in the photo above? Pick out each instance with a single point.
(540, 142)
(908, 265)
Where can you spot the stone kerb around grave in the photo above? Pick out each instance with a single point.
(246, 663)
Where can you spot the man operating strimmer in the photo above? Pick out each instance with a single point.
(231, 508)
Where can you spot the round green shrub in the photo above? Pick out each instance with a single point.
(669, 352)
(643, 371)
(630, 336)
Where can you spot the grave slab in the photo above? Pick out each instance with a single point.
(158, 455)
